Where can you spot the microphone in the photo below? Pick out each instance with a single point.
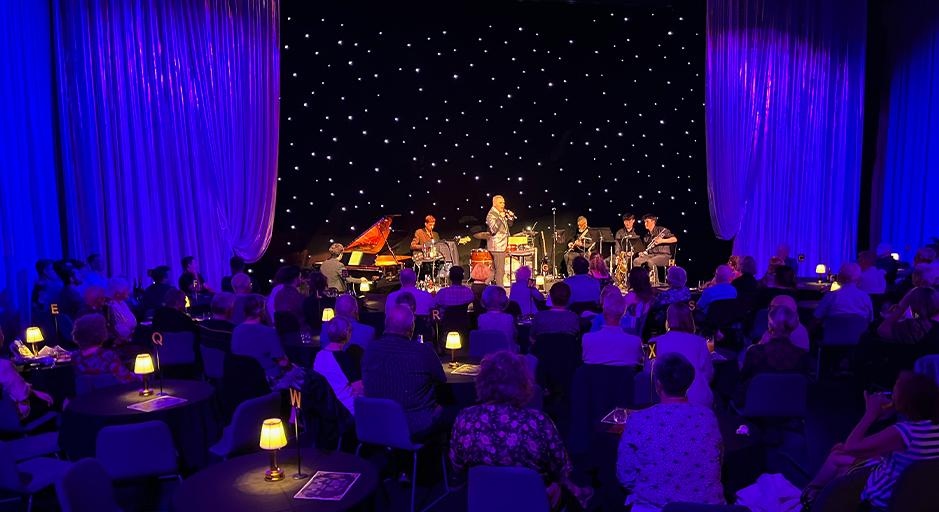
(510, 214)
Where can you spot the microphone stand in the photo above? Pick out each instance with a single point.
(554, 242)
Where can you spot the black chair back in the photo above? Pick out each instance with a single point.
(559, 355)
(595, 391)
(916, 489)
(723, 314)
(242, 379)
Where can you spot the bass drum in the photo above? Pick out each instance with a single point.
(480, 257)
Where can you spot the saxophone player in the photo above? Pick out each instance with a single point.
(658, 240)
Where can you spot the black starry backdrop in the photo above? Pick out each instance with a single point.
(428, 109)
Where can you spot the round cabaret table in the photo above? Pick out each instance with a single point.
(460, 390)
(193, 423)
(238, 484)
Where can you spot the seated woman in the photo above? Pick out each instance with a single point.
(171, 316)
(123, 321)
(882, 457)
(781, 282)
(778, 355)
(495, 318)
(681, 339)
(922, 304)
(89, 333)
(671, 452)
(19, 391)
(639, 300)
(524, 293)
(599, 270)
(341, 368)
(503, 432)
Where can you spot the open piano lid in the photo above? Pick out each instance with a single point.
(371, 242)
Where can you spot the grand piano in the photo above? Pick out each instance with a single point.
(362, 257)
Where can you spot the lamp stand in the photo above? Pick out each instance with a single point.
(453, 363)
(159, 369)
(146, 391)
(274, 473)
(296, 430)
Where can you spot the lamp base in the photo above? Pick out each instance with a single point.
(300, 476)
(274, 474)
(145, 392)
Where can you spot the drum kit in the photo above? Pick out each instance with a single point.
(435, 259)
(522, 250)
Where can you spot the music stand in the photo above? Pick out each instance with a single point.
(605, 236)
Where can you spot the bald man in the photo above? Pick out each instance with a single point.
(800, 335)
(499, 220)
(399, 369)
(720, 290)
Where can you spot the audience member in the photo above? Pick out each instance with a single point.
(746, 283)
(254, 339)
(495, 318)
(348, 307)
(677, 290)
(47, 287)
(584, 288)
(237, 266)
(671, 452)
(155, 294)
(19, 391)
(317, 300)
(778, 355)
(456, 294)
(94, 300)
(598, 269)
(611, 345)
(524, 292)
(883, 456)
(503, 432)
(924, 273)
(721, 290)
(123, 321)
(800, 335)
(94, 272)
(172, 317)
(847, 300)
(396, 368)
(638, 301)
(734, 263)
(782, 252)
(886, 263)
(288, 308)
(89, 333)
(217, 332)
(424, 300)
(915, 319)
(406, 299)
(782, 281)
(480, 278)
(69, 298)
(241, 284)
(873, 280)
(556, 319)
(341, 368)
(191, 281)
(287, 276)
(681, 339)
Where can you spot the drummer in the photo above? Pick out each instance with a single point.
(424, 237)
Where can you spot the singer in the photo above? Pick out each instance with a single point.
(499, 220)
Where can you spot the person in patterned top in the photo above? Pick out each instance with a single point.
(89, 333)
(671, 452)
(502, 432)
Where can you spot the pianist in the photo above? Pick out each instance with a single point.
(333, 269)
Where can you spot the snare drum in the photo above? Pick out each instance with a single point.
(480, 257)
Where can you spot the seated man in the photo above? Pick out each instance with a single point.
(557, 319)
(721, 290)
(399, 369)
(456, 294)
(872, 280)
(424, 300)
(584, 288)
(348, 307)
(847, 300)
(495, 318)
(611, 345)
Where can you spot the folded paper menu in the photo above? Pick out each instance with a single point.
(615, 417)
(327, 485)
(466, 369)
(155, 404)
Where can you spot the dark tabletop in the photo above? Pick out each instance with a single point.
(113, 401)
(193, 423)
(238, 484)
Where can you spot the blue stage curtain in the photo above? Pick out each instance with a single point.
(784, 88)
(907, 200)
(29, 214)
(169, 124)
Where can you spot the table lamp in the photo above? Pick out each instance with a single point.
(33, 336)
(453, 343)
(539, 281)
(820, 270)
(895, 256)
(835, 286)
(273, 438)
(365, 286)
(143, 366)
(328, 314)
